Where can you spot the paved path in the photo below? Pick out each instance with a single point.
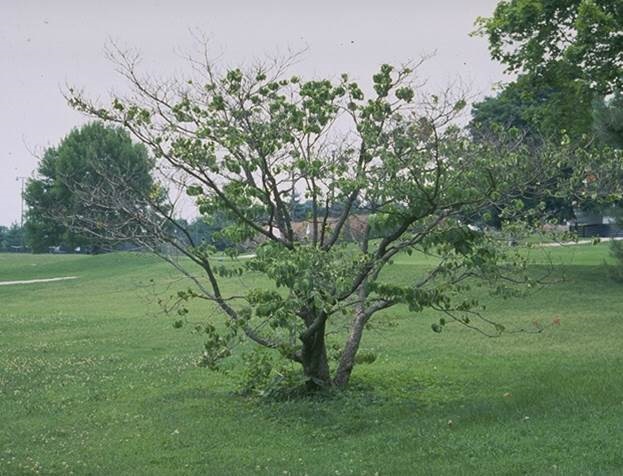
(580, 242)
(33, 281)
(227, 258)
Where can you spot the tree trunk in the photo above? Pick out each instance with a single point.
(347, 361)
(314, 360)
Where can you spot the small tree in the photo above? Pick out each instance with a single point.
(244, 144)
(12, 238)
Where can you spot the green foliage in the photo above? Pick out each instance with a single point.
(209, 231)
(608, 125)
(366, 357)
(608, 120)
(541, 107)
(568, 56)
(616, 248)
(536, 35)
(76, 167)
(257, 149)
(12, 238)
(270, 377)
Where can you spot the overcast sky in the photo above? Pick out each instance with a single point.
(45, 45)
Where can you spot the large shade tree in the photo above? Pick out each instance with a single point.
(568, 55)
(532, 36)
(247, 144)
(79, 162)
(547, 108)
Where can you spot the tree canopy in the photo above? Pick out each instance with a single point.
(535, 35)
(80, 161)
(386, 161)
(568, 55)
(543, 108)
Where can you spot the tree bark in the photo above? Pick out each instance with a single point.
(347, 361)
(314, 360)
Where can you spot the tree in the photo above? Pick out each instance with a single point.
(543, 108)
(244, 144)
(608, 120)
(77, 162)
(533, 36)
(568, 54)
(11, 238)
(550, 108)
(608, 125)
(209, 231)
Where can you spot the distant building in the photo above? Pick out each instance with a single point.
(595, 223)
(354, 229)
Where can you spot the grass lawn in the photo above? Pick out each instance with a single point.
(93, 380)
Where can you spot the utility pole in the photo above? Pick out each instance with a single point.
(21, 222)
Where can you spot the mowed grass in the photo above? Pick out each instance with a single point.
(94, 380)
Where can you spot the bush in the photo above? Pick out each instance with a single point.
(616, 271)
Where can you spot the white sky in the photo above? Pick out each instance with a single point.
(47, 44)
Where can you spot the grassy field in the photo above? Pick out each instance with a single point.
(93, 380)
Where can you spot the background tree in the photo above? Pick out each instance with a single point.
(78, 161)
(568, 55)
(11, 238)
(608, 120)
(544, 108)
(533, 36)
(608, 125)
(551, 108)
(244, 144)
(208, 231)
